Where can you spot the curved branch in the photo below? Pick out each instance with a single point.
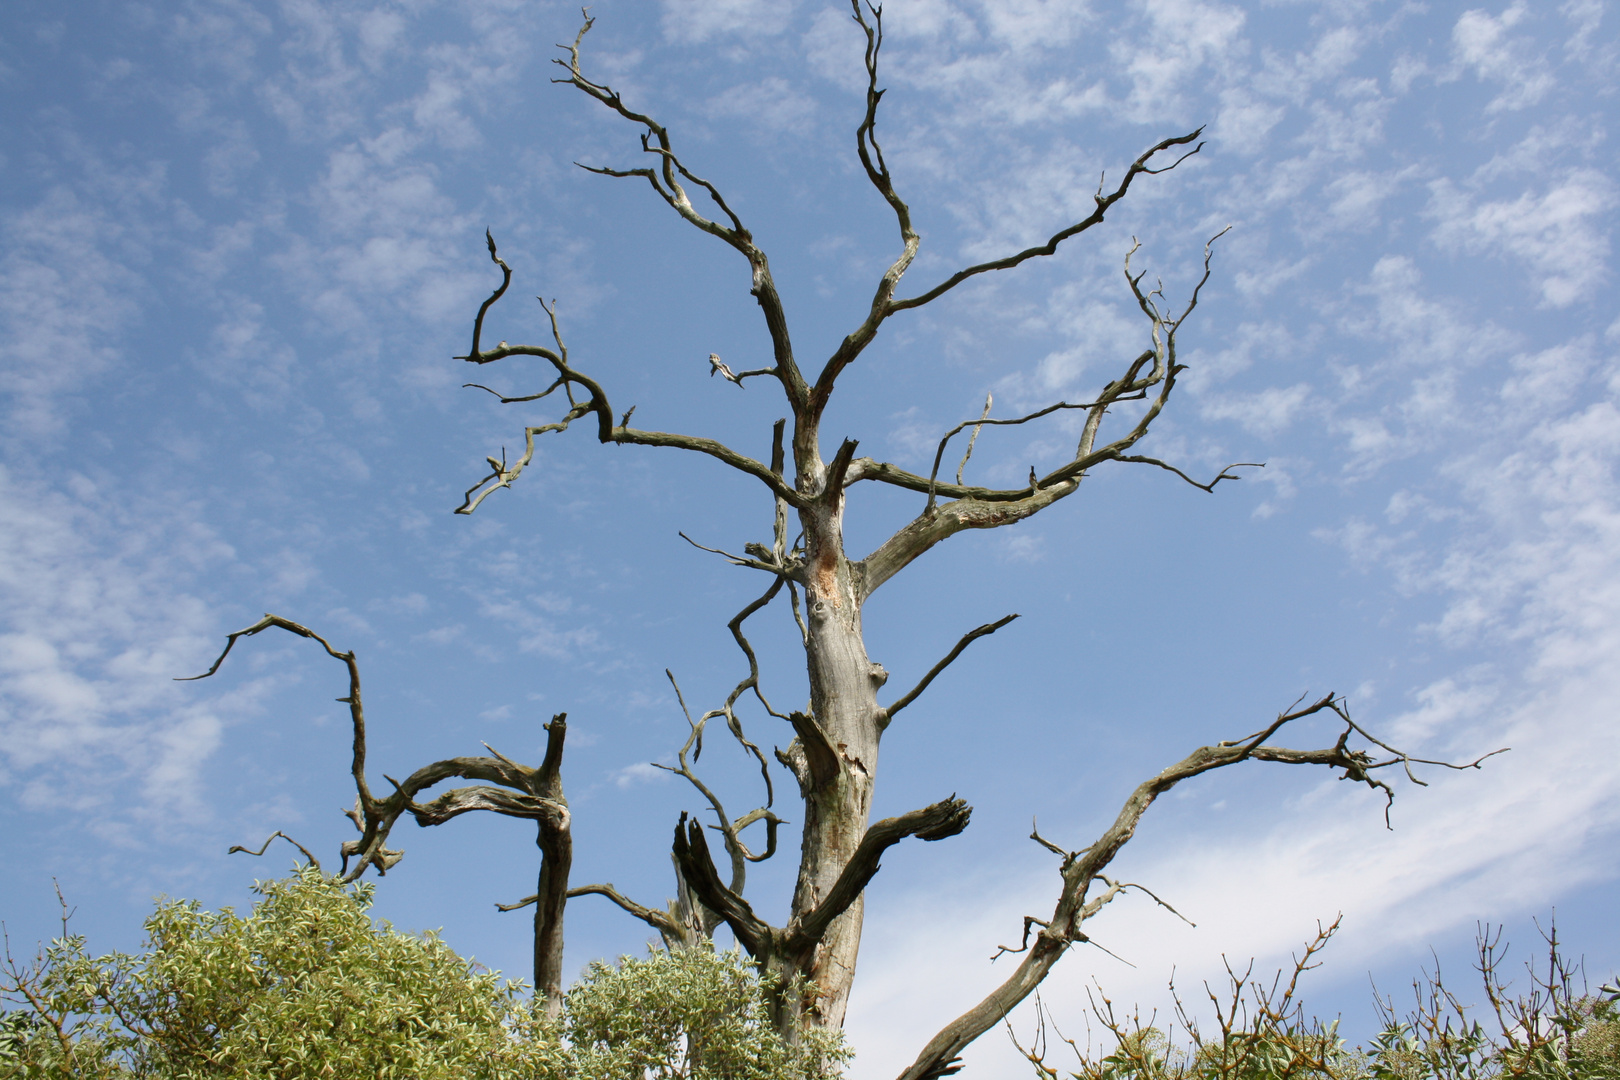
(740, 856)
(1224, 474)
(483, 309)
(357, 712)
(715, 449)
(654, 918)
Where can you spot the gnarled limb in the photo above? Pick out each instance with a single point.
(1085, 866)
(697, 867)
(509, 788)
(936, 822)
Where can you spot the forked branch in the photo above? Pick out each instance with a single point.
(518, 790)
(1150, 377)
(311, 859)
(801, 936)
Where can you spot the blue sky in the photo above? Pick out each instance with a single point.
(242, 241)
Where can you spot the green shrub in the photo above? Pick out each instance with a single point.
(309, 987)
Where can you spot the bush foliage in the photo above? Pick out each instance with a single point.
(310, 987)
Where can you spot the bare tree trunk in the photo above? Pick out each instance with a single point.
(556, 842)
(844, 710)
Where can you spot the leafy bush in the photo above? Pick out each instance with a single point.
(308, 986)
(692, 1013)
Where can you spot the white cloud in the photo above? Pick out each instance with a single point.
(1025, 24)
(1183, 37)
(1356, 197)
(1266, 412)
(771, 106)
(64, 303)
(1245, 120)
(97, 622)
(1559, 234)
(640, 773)
(692, 22)
(1484, 43)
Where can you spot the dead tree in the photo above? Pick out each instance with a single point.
(833, 749)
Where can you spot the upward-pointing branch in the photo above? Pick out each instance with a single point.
(967, 639)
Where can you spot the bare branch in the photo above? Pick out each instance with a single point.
(877, 171)
(967, 639)
(666, 182)
(740, 855)
(1081, 869)
(375, 853)
(989, 399)
(483, 309)
(978, 508)
(1224, 474)
(596, 403)
(718, 367)
(761, 562)
(1035, 835)
(1104, 203)
(654, 918)
(933, 476)
(313, 861)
